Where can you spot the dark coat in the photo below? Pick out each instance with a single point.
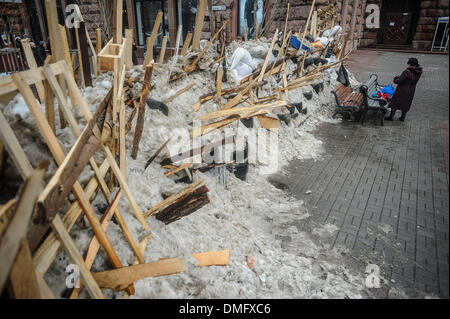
(406, 87)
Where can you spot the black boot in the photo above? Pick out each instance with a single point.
(391, 115)
(402, 118)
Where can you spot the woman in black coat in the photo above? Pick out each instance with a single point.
(406, 87)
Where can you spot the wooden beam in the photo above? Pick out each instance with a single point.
(74, 254)
(286, 20)
(33, 66)
(119, 279)
(152, 38)
(187, 88)
(241, 110)
(98, 40)
(17, 229)
(199, 20)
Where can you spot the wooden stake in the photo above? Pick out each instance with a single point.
(187, 41)
(266, 61)
(245, 34)
(286, 21)
(118, 9)
(163, 50)
(146, 87)
(219, 84)
(129, 48)
(199, 20)
(83, 49)
(152, 38)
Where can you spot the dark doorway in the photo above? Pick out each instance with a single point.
(398, 21)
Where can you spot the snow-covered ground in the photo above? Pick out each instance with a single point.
(251, 218)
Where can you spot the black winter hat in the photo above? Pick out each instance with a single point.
(413, 62)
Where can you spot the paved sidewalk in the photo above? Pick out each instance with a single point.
(386, 188)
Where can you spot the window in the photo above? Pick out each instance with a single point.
(247, 16)
(146, 12)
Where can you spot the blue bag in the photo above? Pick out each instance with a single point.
(389, 89)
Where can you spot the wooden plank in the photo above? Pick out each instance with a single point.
(152, 38)
(199, 20)
(212, 258)
(23, 279)
(6, 212)
(307, 23)
(10, 242)
(245, 34)
(169, 200)
(314, 24)
(163, 50)
(59, 186)
(186, 44)
(14, 149)
(146, 87)
(33, 66)
(80, 58)
(157, 153)
(74, 254)
(119, 279)
(129, 48)
(241, 110)
(268, 122)
(266, 61)
(187, 88)
(54, 33)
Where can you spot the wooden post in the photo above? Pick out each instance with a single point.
(314, 24)
(83, 49)
(163, 50)
(131, 18)
(146, 87)
(98, 43)
(152, 38)
(245, 34)
(40, 13)
(212, 20)
(118, 12)
(199, 20)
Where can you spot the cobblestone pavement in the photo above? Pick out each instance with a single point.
(386, 188)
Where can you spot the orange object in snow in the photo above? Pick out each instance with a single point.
(213, 258)
(250, 261)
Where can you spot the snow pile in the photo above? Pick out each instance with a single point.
(251, 218)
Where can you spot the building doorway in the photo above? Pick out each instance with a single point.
(398, 22)
(247, 16)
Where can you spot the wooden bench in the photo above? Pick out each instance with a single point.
(358, 106)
